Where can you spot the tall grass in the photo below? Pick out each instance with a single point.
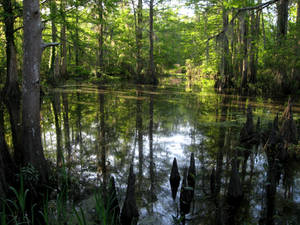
(58, 211)
(13, 211)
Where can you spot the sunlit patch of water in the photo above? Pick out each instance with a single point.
(205, 123)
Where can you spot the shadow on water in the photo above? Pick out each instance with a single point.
(172, 157)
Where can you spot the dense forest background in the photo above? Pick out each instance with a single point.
(249, 45)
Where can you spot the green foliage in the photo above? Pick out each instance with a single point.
(30, 175)
(80, 216)
(13, 211)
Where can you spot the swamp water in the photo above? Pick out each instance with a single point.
(101, 131)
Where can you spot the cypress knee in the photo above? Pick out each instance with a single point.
(130, 214)
(192, 173)
(289, 129)
(174, 179)
(185, 195)
(235, 192)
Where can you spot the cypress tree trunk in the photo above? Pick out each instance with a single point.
(63, 67)
(296, 72)
(151, 57)
(244, 31)
(282, 23)
(11, 88)
(33, 150)
(14, 109)
(54, 56)
(139, 37)
(5, 159)
(225, 64)
(254, 32)
(100, 38)
(76, 41)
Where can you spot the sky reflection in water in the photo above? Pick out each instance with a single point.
(183, 123)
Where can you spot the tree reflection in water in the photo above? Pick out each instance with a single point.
(101, 128)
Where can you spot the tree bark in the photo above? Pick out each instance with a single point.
(33, 150)
(54, 56)
(100, 38)
(11, 88)
(139, 37)
(254, 33)
(151, 72)
(5, 159)
(296, 72)
(282, 23)
(225, 64)
(14, 110)
(244, 31)
(63, 67)
(282, 19)
(76, 47)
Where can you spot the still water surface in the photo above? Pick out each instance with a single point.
(110, 127)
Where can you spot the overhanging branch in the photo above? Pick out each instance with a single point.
(239, 10)
(17, 29)
(46, 45)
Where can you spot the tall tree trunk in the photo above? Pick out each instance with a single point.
(151, 73)
(76, 41)
(225, 64)
(282, 23)
(235, 51)
(63, 67)
(282, 19)
(263, 28)
(33, 150)
(244, 31)
(54, 56)
(254, 32)
(296, 75)
(139, 37)
(100, 39)
(224, 68)
(11, 88)
(6, 163)
(14, 109)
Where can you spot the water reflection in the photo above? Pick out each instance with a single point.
(100, 132)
